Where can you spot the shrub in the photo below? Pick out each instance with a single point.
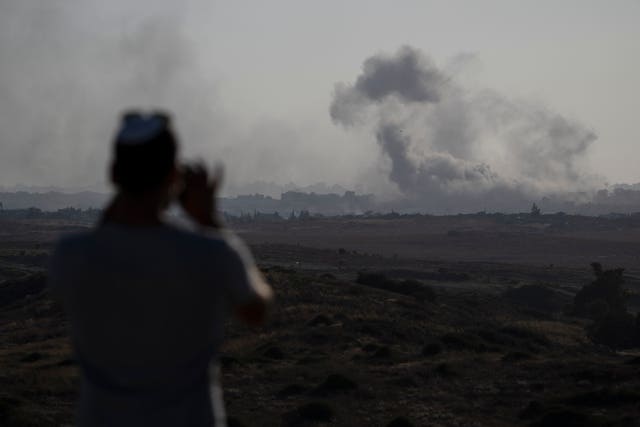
(537, 297)
(598, 309)
(382, 353)
(376, 280)
(526, 335)
(615, 330)
(410, 287)
(432, 349)
(567, 418)
(516, 356)
(605, 301)
(605, 397)
(400, 422)
(319, 320)
(335, 383)
(274, 353)
(316, 411)
(417, 289)
(464, 341)
(606, 288)
(14, 290)
(290, 390)
(446, 370)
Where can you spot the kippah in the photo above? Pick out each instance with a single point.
(137, 128)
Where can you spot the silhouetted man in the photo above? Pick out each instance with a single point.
(146, 300)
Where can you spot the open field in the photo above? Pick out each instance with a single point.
(572, 242)
(439, 344)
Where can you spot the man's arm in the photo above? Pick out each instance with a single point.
(254, 312)
(248, 290)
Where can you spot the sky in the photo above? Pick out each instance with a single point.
(251, 83)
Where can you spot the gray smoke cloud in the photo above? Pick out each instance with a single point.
(70, 68)
(434, 171)
(449, 147)
(409, 76)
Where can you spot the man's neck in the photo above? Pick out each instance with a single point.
(135, 210)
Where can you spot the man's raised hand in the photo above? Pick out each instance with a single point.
(199, 193)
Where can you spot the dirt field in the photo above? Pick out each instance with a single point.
(439, 343)
(460, 239)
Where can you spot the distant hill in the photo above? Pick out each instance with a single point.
(327, 204)
(618, 199)
(52, 200)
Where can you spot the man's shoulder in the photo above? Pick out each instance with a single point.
(207, 238)
(74, 241)
(197, 244)
(185, 240)
(70, 249)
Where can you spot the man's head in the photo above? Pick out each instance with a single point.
(144, 156)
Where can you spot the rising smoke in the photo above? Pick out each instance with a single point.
(454, 149)
(70, 67)
(68, 70)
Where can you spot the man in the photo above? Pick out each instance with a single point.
(146, 300)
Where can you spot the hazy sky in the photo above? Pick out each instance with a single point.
(251, 83)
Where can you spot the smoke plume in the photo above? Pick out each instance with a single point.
(70, 68)
(451, 148)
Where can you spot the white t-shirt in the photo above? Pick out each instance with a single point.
(147, 307)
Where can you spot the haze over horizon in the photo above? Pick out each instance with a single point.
(252, 84)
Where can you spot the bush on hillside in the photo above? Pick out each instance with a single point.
(605, 289)
(605, 302)
(410, 287)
